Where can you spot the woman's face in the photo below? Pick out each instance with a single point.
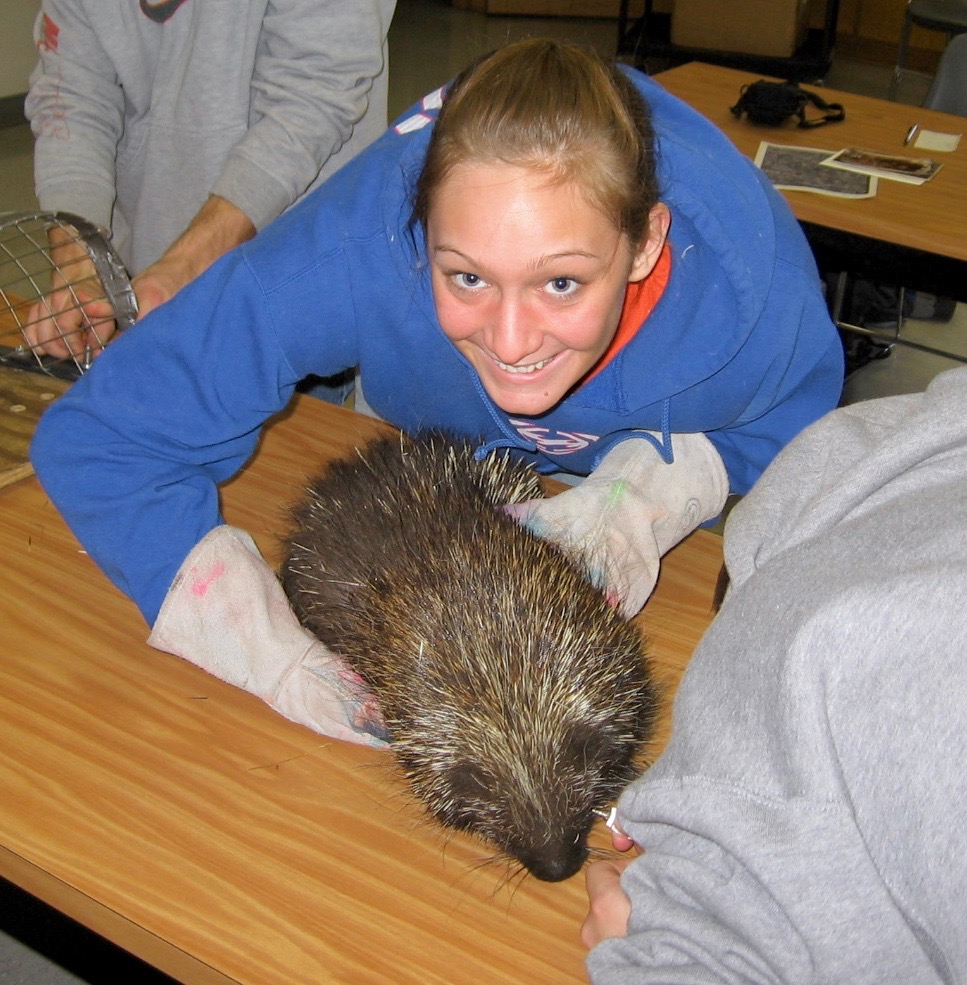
(528, 280)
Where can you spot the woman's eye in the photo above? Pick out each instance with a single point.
(562, 286)
(467, 280)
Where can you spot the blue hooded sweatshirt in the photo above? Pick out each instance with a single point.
(740, 346)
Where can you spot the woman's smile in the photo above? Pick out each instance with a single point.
(521, 370)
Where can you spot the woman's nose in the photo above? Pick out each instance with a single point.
(514, 333)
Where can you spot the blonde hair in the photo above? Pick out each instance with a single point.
(558, 108)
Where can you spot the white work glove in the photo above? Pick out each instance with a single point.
(226, 613)
(630, 511)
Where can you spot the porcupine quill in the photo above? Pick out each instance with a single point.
(517, 699)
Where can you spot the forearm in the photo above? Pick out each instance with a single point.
(802, 383)
(137, 538)
(219, 226)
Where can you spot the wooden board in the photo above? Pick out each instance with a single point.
(23, 398)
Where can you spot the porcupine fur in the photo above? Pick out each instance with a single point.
(517, 699)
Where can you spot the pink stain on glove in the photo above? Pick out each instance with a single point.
(202, 582)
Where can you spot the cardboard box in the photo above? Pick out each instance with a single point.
(754, 27)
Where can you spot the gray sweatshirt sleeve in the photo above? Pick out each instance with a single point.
(314, 75)
(803, 825)
(76, 110)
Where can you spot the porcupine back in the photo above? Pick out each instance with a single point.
(516, 697)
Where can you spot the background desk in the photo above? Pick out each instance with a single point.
(184, 820)
(911, 235)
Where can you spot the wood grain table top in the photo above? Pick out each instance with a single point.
(184, 820)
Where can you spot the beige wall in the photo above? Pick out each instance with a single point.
(17, 53)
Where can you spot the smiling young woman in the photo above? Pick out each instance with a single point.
(552, 255)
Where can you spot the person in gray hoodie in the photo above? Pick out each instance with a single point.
(181, 127)
(806, 821)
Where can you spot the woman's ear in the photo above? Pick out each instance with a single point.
(659, 221)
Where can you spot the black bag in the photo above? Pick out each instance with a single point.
(768, 104)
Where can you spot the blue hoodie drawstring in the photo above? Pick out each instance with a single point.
(511, 439)
(662, 445)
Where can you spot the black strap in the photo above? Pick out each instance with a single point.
(833, 112)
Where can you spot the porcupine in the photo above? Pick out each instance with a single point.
(516, 697)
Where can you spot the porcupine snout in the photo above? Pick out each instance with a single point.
(530, 792)
(549, 848)
(552, 842)
(521, 827)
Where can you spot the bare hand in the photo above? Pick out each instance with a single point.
(75, 319)
(608, 905)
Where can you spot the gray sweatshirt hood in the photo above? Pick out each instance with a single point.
(850, 464)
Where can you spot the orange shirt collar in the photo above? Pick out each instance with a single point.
(641, 296)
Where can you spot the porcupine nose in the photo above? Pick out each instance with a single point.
(555, 864)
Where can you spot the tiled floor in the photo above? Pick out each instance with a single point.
(429, 42)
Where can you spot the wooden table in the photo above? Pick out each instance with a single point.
(184, 820)
(915, 235)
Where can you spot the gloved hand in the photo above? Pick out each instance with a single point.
(226, 613)
(631, 510)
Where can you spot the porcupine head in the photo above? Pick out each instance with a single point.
(516, 697)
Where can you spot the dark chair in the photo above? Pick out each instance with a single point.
(948, 92)
(949, 16)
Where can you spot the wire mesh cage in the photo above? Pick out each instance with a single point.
(63, 293)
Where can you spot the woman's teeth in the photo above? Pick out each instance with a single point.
(532, 368)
